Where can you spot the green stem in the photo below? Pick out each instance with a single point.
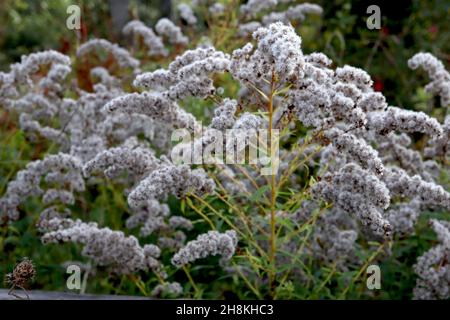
(273, 192)
(191, 281)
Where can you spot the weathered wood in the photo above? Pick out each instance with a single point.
(55, 295)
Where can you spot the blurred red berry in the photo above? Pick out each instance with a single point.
(384, 31)
(378, 85)
(64, 45)
(83, 31)
(433, 29)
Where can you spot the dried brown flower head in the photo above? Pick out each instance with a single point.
(23, 272)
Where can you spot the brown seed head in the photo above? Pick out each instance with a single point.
(23, 273)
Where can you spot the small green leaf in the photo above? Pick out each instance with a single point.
(259, 193)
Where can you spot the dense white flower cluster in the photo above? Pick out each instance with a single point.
(278, 54)
(440, 84)
(280, 44)
(224, 115)
(433, 267)
(207, 244)
(248, 121)
(37, 102)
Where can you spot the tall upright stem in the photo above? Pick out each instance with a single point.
(272, 191)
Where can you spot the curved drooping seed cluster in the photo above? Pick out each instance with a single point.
(440, 146)
(187, 14)
(90, 123)
(154, 105)
(170, 289)
(122, 56)
(396, 119)
(356, 149)
(351, 104)
(177, 180)
(294, 14)
(410, 160)
(38, 102)
(104, 78)
(60, 170)
(21, 72)
(168, 29)
(208, 244)
(151, 216)
(440, 84)
(253, 7)
(216, 9)
(433, 267)
(333, 239)
(404, 216)
(401, 184)
(105, 247)
(154, 43)
(356, 191)
(188, 75)
(138, 160)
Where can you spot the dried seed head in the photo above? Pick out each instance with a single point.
(23, 272)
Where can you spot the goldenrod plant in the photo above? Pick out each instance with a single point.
(211, 155)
